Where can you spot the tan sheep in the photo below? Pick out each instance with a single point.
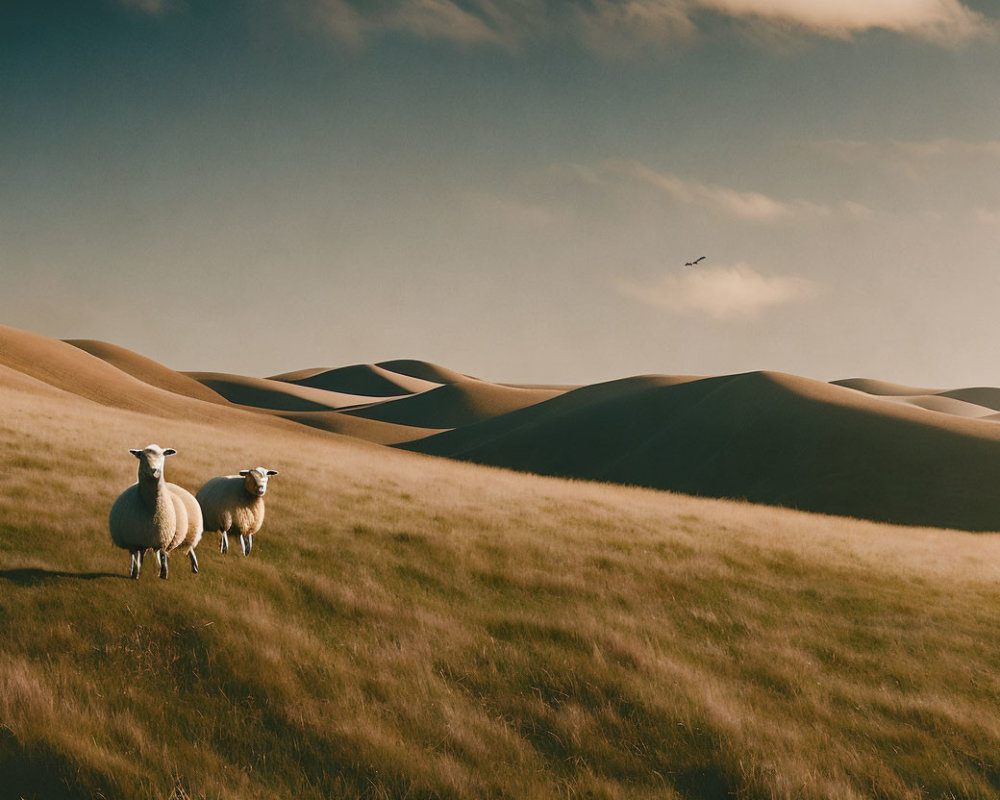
(235, 503)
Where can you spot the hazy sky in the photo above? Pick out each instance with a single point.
(508, 187)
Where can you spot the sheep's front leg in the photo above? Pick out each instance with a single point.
(194, 561)
(247, 543)
(224, 545)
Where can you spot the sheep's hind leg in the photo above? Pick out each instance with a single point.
(136, 563)
(163, 564)
(194, 561)
(224, 545)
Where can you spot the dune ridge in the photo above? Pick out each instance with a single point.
(454, 405)
(148, 370)
(359, 379)
(423, 370)
(276, 395)
(371, 430)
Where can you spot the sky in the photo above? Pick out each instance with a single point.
(510, 188)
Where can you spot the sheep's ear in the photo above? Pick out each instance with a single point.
(272, 472)
(136, 453)
(170, 452)
(244, 472)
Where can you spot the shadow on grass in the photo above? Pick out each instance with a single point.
(32, 576)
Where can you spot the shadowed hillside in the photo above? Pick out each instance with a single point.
(371, 430)
(766, 437)
(455, 405)
(275, 395)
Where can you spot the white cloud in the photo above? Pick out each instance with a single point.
(941, 21)
(630, 28)
(722, 293)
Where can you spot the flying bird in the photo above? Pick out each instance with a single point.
(695, 262)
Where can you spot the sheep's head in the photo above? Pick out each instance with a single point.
(151, 461)
(255, 480)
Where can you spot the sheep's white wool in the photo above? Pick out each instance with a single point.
(235, 503)
(153, 514)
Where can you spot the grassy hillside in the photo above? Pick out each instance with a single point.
(412, 627)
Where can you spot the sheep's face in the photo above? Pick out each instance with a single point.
(255, 480)
(151, 461)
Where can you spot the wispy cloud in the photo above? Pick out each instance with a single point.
(631, 28)
(629, 182)
(502, 23)
(744, 205)
(942, 21)
(616, 30)
(722, 293)
(154, 7)
(443, 19)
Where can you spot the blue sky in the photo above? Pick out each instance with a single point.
(508, 187)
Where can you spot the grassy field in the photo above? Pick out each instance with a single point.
(409, 627)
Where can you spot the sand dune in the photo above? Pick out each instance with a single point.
(454, 405)
(985, 396)
(359, 427)
(359, 379)
(30, 359)
(977, 402)
(766, 437)
(147, 370)
(942, 404)
(882, 388)
(424, 370)
(76, 371)
(276, 395)
(463, 442)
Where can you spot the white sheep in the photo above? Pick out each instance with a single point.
(235, 503)
(149, 514)
(195, 526)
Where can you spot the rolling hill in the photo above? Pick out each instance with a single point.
(410, 626)
(765, 437)
(359, 379)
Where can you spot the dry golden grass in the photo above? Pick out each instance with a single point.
(411, 627)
